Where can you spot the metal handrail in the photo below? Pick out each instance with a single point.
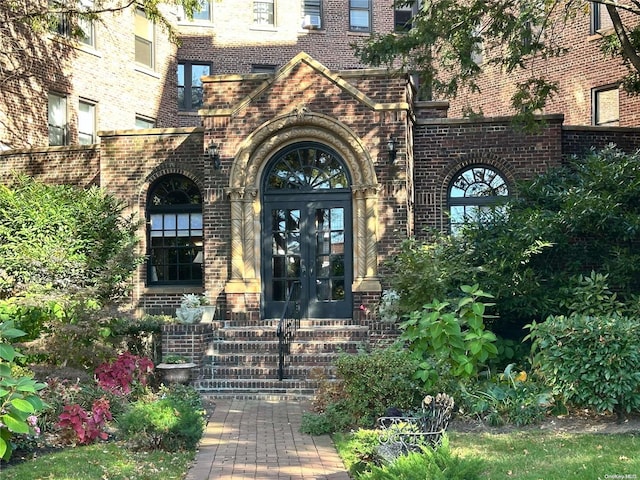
(287, 326)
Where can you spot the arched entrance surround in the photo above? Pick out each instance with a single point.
(244, 194)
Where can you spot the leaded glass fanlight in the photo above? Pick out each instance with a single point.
(307, 168)
(473, 193)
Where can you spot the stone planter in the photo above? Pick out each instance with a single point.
(208, 313)
(189, 315)
(171, 373)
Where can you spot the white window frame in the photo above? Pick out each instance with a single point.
(57, 119)
(86, 122)
(597, 109)
(143, 122)
(142, 25)
(258, 19)
(356, 7)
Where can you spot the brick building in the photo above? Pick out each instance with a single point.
(274, 158)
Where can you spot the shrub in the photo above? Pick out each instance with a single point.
(82, 427)
(452, 339)
(19, 401)
(373, 382)
(173, 422)
(434, 464)
(124, 373)
(592, 361)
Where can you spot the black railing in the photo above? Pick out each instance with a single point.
(287, 326)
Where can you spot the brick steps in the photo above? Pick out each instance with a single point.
(243, 359)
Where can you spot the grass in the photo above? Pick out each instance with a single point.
(535, 455)
(101, 461)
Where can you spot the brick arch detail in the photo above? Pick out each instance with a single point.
(456, 166)
(245, 199)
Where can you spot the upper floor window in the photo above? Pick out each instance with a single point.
(606, 106)
(263, 12)
(143, 122)
(403, 16)
(204, 14)
(57, 120)
(473, 193)
(190, 91)
(311, 14)
(68, 22)
(600, 19)
(144, 32)
(263, 68)
(86, 122)
(175, 232)
(360, 15)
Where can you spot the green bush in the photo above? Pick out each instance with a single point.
(432, 464)
(449, 337)
(373, 382)
(172, 422)
(592, 361)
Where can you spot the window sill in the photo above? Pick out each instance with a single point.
(195, 24)
(188, 113)
(353, 33)
(263, 28)
(172, 289)
(146, 71)
(600, 34)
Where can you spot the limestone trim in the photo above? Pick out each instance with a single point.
(245, 187)
(305, 58)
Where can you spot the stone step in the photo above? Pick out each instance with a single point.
(273, 324)
(292, 371)
(297, 347)
(268, 359)
(244, 387)
(350, 332)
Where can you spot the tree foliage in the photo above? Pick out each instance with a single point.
(447, 37)
(567, 223)
(58, 238)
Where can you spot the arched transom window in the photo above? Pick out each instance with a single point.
(174, 232)
(473, 192)
(307, 168)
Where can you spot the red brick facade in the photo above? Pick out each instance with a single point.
(323, 95)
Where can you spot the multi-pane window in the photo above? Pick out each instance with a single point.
(360, 15)
(86, 122)
(312, 14)
(69, 24)
(600, 19)
(263, 12)
(204, 15)
(175, 232)
(144, 122)
(403, 16)
(143, 28)
(190, 84)
(606, 106)
(473, 193)
(57, 119)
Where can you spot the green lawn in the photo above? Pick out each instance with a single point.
(538, 455)
(544, 455)
(101, 461)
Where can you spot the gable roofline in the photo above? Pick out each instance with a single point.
(305, 58)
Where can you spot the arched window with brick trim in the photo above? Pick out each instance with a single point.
(473, 192)
(174, 232)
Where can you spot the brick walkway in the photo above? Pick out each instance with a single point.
(259, 439)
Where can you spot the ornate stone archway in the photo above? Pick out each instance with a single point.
(245, 184)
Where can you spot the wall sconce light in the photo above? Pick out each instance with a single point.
(391, 148)
(214, 154)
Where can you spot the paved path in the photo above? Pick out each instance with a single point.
(259, 439)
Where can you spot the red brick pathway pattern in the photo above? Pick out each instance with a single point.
(261, 440)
